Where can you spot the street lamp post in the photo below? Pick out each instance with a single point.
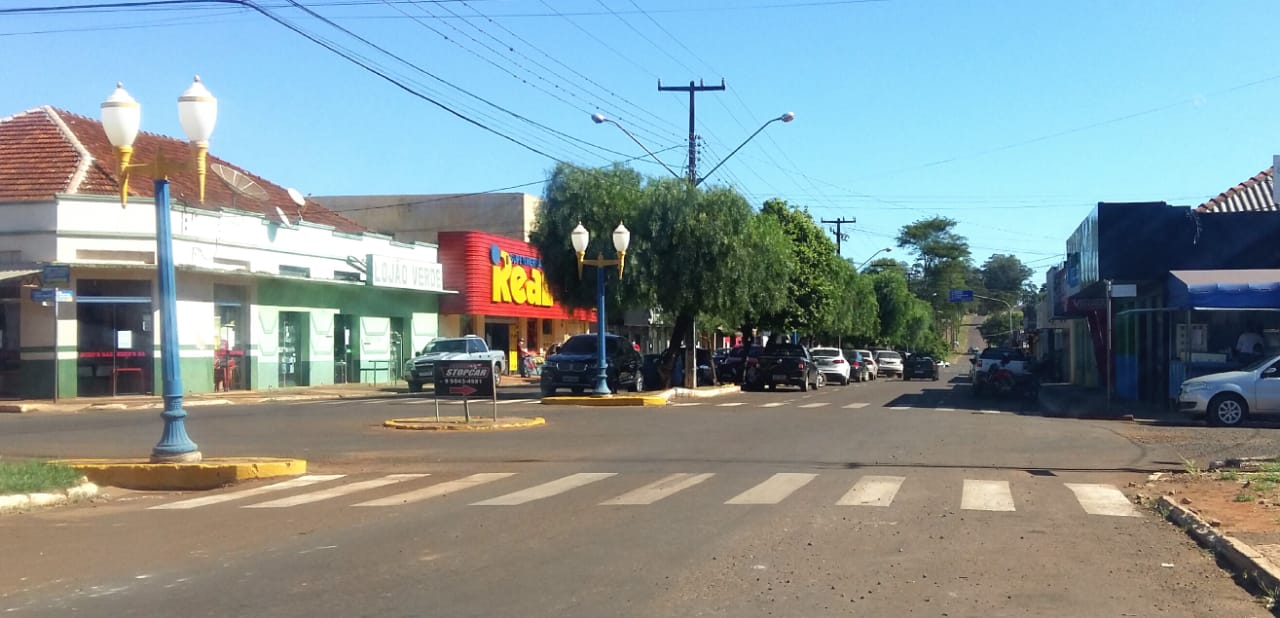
(873, 256)
(121, 119)
(621, 240)
(1007, 304)
(787, 117)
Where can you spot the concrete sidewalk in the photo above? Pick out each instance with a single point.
(194, 400)
(1071, 401)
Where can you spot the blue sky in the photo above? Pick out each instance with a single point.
(1012, 117)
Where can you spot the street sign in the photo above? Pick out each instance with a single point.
(56, 276)
(960, 296)
(46, 296)
(464, 377)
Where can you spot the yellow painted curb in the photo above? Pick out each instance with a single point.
(428, 423)
(208, 474)
(625, 400)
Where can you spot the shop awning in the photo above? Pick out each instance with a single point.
(14, 274)
(1257, 289)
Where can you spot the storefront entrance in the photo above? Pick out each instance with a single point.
(230, 371)
(293, 349)
(10, 346)
(116, 337)
(342, 345)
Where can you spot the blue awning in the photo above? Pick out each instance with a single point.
(1257, 289)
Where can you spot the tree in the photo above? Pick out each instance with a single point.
(812, 299)
(932, 241)
(995, 329)
(894, 302)
(1005, 276)
(882, 264)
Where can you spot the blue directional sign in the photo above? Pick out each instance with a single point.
(45, 295)
(56, 276)
(961, 296)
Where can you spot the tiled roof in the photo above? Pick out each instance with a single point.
(1251, 195)
(47, 151)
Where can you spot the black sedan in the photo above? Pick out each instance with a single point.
(576, 365)
(920, 366)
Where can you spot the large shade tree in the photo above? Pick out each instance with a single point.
(812, 297)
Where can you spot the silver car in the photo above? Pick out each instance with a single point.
(873, 370)
(889, 363)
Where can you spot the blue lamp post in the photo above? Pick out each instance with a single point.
(121, 119)
(621, 240)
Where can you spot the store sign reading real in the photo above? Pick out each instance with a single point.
(518, 279)
(389, 272)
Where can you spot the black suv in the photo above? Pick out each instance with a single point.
(576, 364)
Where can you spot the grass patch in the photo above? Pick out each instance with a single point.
(1262, 485)
(1244, 496)
(24, 477)
(1228, 475)
(1271, 467)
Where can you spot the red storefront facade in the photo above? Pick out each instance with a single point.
(502, 293)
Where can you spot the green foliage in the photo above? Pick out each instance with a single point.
(1005, 277)
(995, 329)
(812, 300)
(933, 241)
(894, 302)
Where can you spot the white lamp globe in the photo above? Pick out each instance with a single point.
(121, 118)
(621, 238)
(198, 112)
(580, 238)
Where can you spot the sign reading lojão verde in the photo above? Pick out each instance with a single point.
(518, 279)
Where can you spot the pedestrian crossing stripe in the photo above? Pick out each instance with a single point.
(815, 405)
(899, 408)
(856, 406)
(868, 491)
(774, 404)
(731, 404)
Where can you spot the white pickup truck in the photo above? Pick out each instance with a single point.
(421, 369)
(1227, 399)
(998, 370)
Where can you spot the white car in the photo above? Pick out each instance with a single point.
(889, 362)
(873, 370)
(832, 363)
(942, 363)
(1229, 398)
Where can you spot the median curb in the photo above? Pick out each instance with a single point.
(458, 423)
(207, 474)
(1247, 562)
(21, 502)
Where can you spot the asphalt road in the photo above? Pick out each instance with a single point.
(882, 499)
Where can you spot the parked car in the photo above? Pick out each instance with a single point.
(888, 363)
(576, 364)
(421, 369)
(832, 364)
(785, 363)
(920, 366)
(869, 359)
(1228, 399)
(858, 366)
(740, 359)
(1002, 371)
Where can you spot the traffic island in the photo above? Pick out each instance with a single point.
(458, 423)
(210, 473)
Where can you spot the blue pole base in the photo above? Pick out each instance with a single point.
(602, 386)
(175, 446)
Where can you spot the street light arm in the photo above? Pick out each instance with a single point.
(787, 117)
(873, 256)
(600, 118)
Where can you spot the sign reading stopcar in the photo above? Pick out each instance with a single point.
(464, 378)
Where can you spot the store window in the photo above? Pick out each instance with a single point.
(293, 348)
(230, 305)
(114, 351)
(10, 346)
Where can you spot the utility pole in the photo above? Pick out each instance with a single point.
(692, 89)
(839, 234)
(691, 355)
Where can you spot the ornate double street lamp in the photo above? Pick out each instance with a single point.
(121, 119)
(621, 240)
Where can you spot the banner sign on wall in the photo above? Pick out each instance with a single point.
(390, 272)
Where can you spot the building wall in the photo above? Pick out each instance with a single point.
(421, 217)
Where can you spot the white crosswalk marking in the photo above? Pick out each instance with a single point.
(774, 490)
(945, 409)
(301, 481)
(816, 405)
(333, 492)
(990, 412)
(1103, 500)
(774, 404)
(986, 496)
(685, 404)
(873, 491)
(731, 404)
(546, 490)
(659, 489)
(441, 489)
(899, 408)
(856, 406)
